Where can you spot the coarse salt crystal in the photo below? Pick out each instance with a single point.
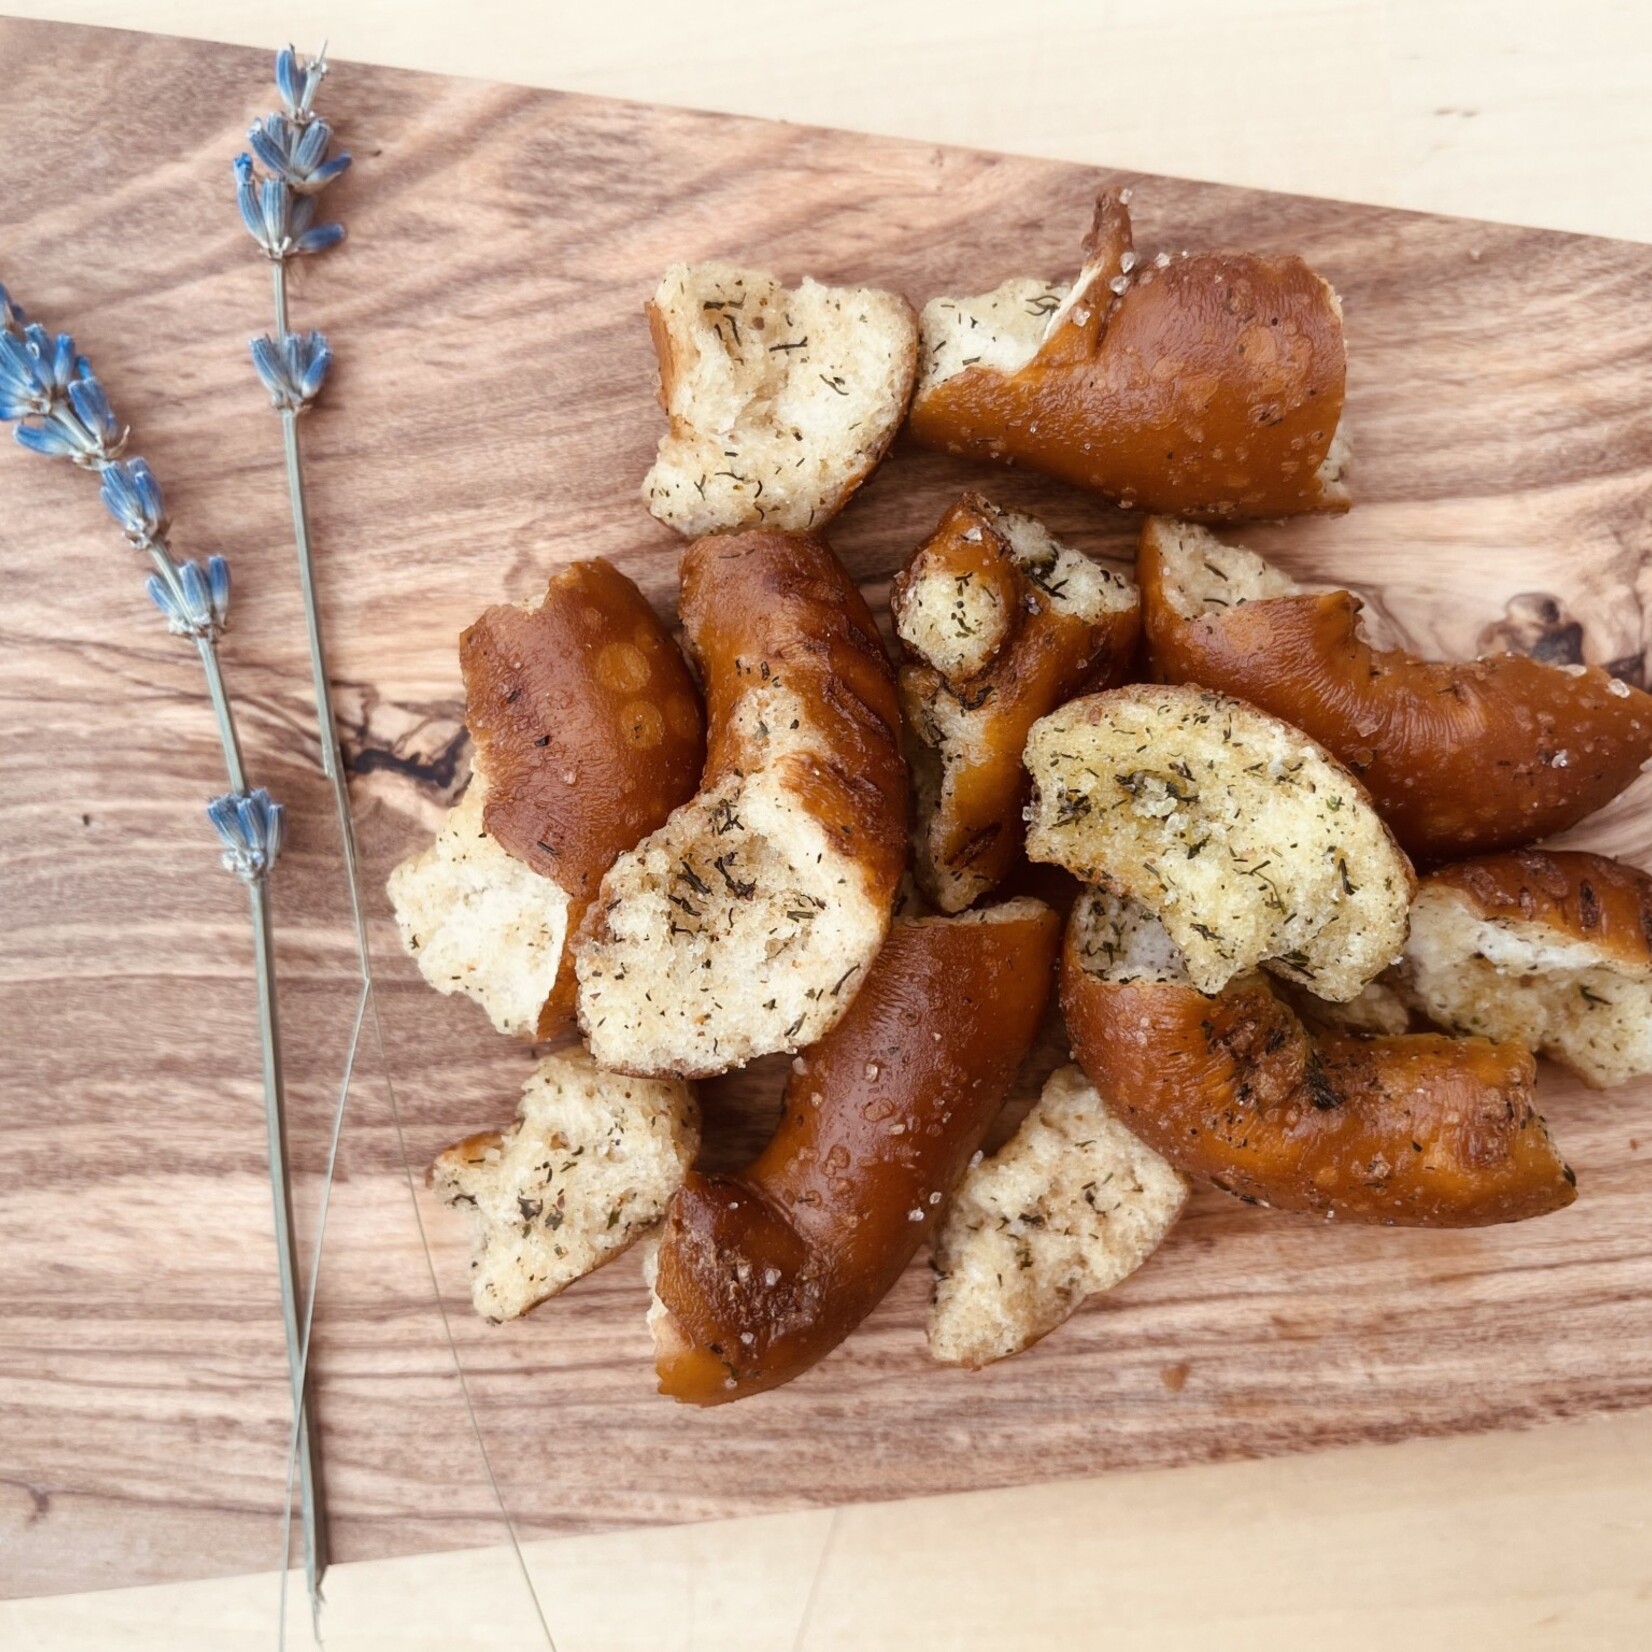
(1618, 687)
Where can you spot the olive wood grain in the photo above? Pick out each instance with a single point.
(490, 417)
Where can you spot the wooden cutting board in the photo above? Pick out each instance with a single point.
(490, 416)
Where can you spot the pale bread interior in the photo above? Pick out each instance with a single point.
(958, 625)
(1120, 941)
(1531, 983)
(1239, 833)
(739, 928)
(1203, 576)
(780, 400)
(478, 921)
(1000, 331)
(1071, 1205)
(587, 1167)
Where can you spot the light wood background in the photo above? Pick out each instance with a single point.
(124, 1391)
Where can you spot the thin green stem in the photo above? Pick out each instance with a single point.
(333, 766)
(332, 759)
(275, 1118)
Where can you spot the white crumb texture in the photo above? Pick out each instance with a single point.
(1071, 1205)
(1204, 576)
(1000, 331)
(1122, 942)
(954, 622)
(1074, 584)
(480, 922)
(780, 400)
(1242, 836)
(1529, 983)
(959, 625)
(738, 928)
(586, 1169)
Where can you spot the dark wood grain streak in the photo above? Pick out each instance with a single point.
(490, 416)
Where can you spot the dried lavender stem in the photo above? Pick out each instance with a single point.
(207, 647)
(275, 1118)
(277, 208)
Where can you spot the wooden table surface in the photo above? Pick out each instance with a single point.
(779, 1568)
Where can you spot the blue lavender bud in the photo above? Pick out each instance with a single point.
(53, 440)
(273, 138)
(250, 825)
(278, 218)
(274, 207)
(310, 169)
(289, 78)
(63, 360)
(323, 238)
(292, 367)
(21, 375)
(133, 497)
(299, 80)
(297, 155)
(11, 313)
(91, 404)
(198, 606)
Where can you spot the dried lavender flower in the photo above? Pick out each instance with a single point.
(198, 604)
(281, 221)
(299, 80)
(250, 825)
(293, 367)
(49, 389)
(133, 497)
(296, 154)
(278, 206)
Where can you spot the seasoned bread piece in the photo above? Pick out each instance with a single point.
(479, 921)
(746, 923)
(1551, 948)
(584, 1171)
(763, 1273)
(1071, 1205)
(589, 732)
(1001, 623)
(781, 401)
(1247, 842)
(1416, 1131)
(1459, 758)
(1208, 385)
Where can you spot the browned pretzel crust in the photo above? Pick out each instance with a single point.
(763, 1273)
(747, 922)
(1552, 948)
(1460, 758)
(1207, 386)
(1001, 625)
(1414, 1131)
